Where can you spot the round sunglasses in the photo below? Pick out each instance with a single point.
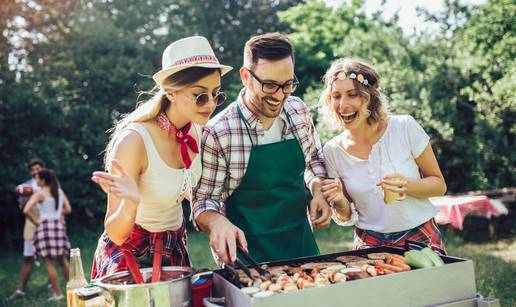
(204, 98)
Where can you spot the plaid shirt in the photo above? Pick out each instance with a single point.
(109, 258)
(226, 147)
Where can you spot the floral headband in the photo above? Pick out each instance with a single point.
(341, 75)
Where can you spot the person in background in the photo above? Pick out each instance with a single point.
(153, 162)
(24, 191)
(258, 155)
(50, 239)
(383, 166)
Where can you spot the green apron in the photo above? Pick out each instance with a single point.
(270, 204)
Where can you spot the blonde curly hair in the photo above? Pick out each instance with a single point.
(371, 94)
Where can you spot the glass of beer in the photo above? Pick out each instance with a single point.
(387, 167)
(390, 196)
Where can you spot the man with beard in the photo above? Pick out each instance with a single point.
(257, 156)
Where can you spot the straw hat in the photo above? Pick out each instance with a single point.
(188, 52)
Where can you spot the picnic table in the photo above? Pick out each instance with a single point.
(454, 209)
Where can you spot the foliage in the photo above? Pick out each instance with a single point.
(459, 83)
(486, 56)
(68, 69)
(80, 64)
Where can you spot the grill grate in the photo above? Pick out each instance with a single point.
(231, 275)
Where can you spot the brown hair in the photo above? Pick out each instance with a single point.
(269, 46)
(50, 179)
(35, 161)
(369, 93)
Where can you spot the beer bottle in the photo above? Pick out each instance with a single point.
(76, 280)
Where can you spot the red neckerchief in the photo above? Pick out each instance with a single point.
(182, 137)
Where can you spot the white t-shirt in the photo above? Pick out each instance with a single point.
(402, 142)
(273, 135)
(34, 185)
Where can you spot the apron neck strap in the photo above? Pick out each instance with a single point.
(245, 123)
(289, 119)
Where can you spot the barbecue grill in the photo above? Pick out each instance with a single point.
(452, 284)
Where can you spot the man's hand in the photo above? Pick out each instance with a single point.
(319, 204)
(224, 236)
(22, 201)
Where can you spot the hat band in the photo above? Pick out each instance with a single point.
(197, 59)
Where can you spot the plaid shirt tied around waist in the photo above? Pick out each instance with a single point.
(109, 257)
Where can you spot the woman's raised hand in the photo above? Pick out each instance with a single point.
(332, 190)
(118, 183)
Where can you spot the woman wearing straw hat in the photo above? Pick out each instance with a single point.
(152, 162)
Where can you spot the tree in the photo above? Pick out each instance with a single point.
(458, 83)
(485, 49)
(82, 64)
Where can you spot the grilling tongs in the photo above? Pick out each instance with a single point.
(234, 276)
(263, 272)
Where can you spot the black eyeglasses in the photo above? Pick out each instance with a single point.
(271, 87)
(204, 98)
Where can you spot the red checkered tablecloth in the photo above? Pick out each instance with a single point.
(454, 209)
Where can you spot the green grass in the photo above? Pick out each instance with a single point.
(494, 276)
(36, 288)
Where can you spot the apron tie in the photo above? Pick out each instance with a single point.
(132, 265)
(156, 239)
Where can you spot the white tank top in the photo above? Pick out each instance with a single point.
(162, 188)
(47, 208)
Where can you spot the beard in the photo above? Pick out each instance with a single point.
(267, 106)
